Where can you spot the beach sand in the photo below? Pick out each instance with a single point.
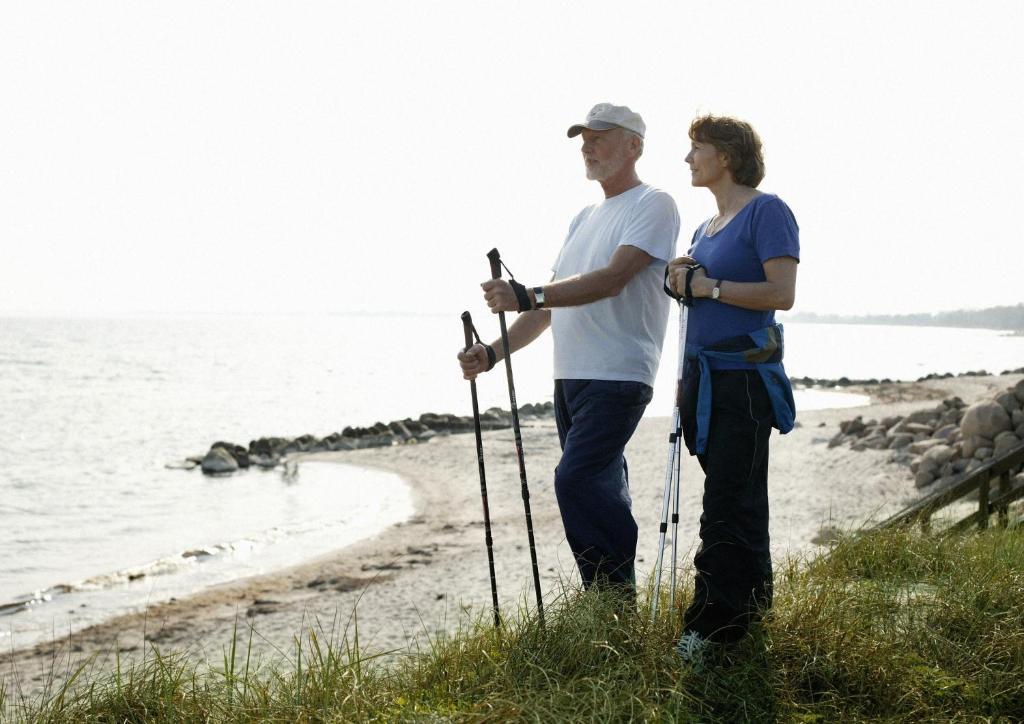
(430, 573)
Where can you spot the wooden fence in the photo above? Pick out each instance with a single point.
(990, 501)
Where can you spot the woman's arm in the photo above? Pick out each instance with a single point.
(777, 291)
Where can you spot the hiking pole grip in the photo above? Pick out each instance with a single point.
(495, 258)
(467, 328)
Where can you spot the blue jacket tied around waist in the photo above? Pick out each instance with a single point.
(762, 348)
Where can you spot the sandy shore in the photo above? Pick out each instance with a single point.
(430, 573)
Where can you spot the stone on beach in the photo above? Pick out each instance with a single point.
(986, 418)
(219, 460)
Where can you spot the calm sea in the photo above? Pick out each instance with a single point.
(93, 524)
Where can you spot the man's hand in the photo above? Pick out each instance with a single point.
(473, 361)
(499, 296)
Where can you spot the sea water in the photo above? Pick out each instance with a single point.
(93, 523)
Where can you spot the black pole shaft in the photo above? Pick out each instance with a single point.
(467, 326)
(495, 259)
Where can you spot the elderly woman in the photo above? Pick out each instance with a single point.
(740, 268)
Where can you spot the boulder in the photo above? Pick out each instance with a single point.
(918, 428)
(1019, 431)
(1017, 418)
(952, 416)
(923, 478)
(985, 419)
(983, 453)
(927, 415)
(1004, 441)
(400, 430)
(239, 453)
(1008, 401)
(939, 454)
(1018, 392)
(900, 440)
(922, 445)
(888, 422)
(218, 461)
(944, 432)
(972, 443)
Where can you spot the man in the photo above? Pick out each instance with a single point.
(607, 314)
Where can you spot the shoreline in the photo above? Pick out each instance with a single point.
(429, 573)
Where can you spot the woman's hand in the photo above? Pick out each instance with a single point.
(700, 285)
(677, 273)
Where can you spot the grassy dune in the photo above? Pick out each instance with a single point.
(887, 627)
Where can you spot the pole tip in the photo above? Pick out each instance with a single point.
(466, 317)
(493, 254)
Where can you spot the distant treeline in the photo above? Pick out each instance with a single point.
(1011, 318)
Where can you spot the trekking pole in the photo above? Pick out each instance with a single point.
(470, 331)
(495, 259)
(672, 474)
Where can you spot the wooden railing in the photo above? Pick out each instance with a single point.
(980, 481)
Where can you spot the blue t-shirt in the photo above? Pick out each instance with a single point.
(763, 229)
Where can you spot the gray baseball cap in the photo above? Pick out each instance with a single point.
(605, 116)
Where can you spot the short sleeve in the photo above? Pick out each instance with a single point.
(775, 231)
(654, 226)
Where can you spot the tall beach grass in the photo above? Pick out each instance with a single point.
(891, 626)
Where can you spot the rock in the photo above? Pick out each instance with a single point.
(939, 454)
(400, 430)
(888, 422)
(972, 465)
(927, 415)
(972, 443)
(918, 428)
(922, 445)
(960, 465)
(900, 440)
(952, 416)
(425, 435)
(1004, 441)
(219, 460)
(838, 439)
(1017, 418)
(985, 419)
(1019, 431)
(944, 432)
(983, 453)
(1008, 401)
(264, 461)
(239, 453)
(924, 478)
(1018, 392)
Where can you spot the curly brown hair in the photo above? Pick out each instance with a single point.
(738, 141)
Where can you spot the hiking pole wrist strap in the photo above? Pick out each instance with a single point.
(688, 291)
(467, 322)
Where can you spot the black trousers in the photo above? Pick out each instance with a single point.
(733, 581)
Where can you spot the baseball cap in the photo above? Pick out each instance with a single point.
(605, 116)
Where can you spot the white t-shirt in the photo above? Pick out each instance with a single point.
(617, 338)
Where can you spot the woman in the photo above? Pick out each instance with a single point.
(735, 388)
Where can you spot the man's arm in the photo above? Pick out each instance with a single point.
(626, 262)
(526, 328)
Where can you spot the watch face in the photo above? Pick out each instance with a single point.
(715, 292)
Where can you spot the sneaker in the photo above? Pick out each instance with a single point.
(691, 649)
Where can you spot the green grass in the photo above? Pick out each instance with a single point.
(892, 626)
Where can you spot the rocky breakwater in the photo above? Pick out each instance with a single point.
(267, 452)
(945, 442)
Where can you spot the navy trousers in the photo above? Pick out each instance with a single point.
(733, 580)
(595, 420)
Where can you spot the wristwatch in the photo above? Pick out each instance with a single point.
(717, 291)
(538, 296)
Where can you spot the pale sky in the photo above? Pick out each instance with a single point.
(258, 157)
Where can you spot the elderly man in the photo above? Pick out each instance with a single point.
(607, 314)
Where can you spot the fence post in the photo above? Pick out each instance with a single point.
(1004, 508)
(983, 509)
